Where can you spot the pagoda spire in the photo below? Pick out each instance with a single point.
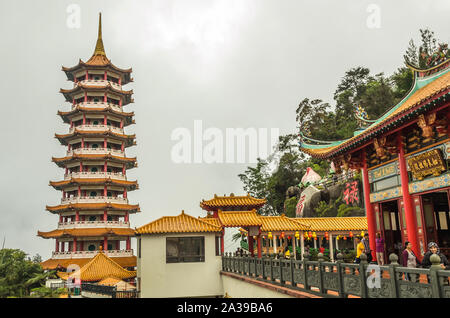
(99, 49)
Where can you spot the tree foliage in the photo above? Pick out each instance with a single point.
(19, 274)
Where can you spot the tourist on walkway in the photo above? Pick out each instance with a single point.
(367, 250)
(359, 249)
(409, 259)
(379, 249)
(433, 248)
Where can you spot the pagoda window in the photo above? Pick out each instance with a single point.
(110, 247)
(91, 247)
(109, 218)
(92, 218)
(94, 146)
(109, 194)
(95, 122)
(93, 194)
(94, 169)
(108, 170)
(96, 100)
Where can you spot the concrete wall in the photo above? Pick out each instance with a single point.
(158, 279)
(236, 288)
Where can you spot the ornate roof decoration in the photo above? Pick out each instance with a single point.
(425, 91)
(182, 223)
(99, 268)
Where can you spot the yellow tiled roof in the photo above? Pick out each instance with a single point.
(232, 201)
(93, 206)
(282, 223)
(109, 281)
(182, 223)
(239, 218)
(421, 95)
(98, 268)
(335, 223)
(52, 263)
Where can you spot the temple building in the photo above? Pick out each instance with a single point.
(94, 212)
(404, 160)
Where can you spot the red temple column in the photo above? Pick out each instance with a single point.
(124, 193)
(74, 245)
(85, 98)
(57, 246)
(126, 216)
(411, 222)
(117, 245)
(105, 144)
(105, 167)
(120, 80)
(104, 98)
(62, 246)
(105, 243)
(105, 76)
(370, 214)
(87, 76)
(77, 216)
(105, 216)
(259, 245)
(128, 243)
(105, 120)
(105, 191)
(250, 245)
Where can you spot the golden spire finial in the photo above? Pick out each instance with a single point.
(99, 49)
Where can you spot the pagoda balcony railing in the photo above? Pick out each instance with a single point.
(101, 82)
(92, 224)
(99, 105)
(95, 175)
(96, 151)
(99, 199)
(89, 254)
(97, 128)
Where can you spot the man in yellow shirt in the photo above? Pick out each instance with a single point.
(359, 249)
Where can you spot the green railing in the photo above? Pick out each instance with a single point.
(339, 279)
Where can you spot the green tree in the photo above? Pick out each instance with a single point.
(19, 274)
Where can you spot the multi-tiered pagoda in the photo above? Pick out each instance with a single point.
(94, 210)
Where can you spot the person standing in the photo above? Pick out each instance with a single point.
(359, 249)
(433, 248)
(379, 249)
(367, 250)
(409, 259)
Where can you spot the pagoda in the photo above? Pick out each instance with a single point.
(94, 210)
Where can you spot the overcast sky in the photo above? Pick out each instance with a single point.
(231, 64)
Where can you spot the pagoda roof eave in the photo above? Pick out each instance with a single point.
(80, 86)
(132, 208)
(86, 232)
(86, 65)
(424, 92)
(52, 263)
(130, 161)
(64, 139)
(58, 185)
(220, 202)
(108, 109)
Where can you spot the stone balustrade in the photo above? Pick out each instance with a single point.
(95, 175)
(99, 199)
(339, 279)
(96, 151)
(99, 127)
(92, 224)
(89, 254)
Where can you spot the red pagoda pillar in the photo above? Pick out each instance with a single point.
(370, 214)
(250, 245)
(411, 222)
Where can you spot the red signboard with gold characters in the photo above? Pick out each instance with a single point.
(427, 163)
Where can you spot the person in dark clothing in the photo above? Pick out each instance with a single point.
(433, 248)
(409, 259)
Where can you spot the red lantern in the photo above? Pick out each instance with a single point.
(350, 234)
(309, 234)
(345, 238)
(282, 235)
(289, 237)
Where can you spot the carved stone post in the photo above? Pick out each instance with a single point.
(393, 259)
(320, 258)
(362, 274)
(305, 270)
(434, 279)
(340, 260)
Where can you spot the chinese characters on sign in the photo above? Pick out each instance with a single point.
(427, 163)
(351, 193)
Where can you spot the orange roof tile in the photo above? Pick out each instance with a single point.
(98, 268)
(335, 223)
(108, 132)
(282, 223)
(239, 218)
(93, 206)
(109, 281)
(79, 86)
(232, 201)
(81, 181)
(109, 109)
(52, 263)
(80, 232)
(182, 223)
